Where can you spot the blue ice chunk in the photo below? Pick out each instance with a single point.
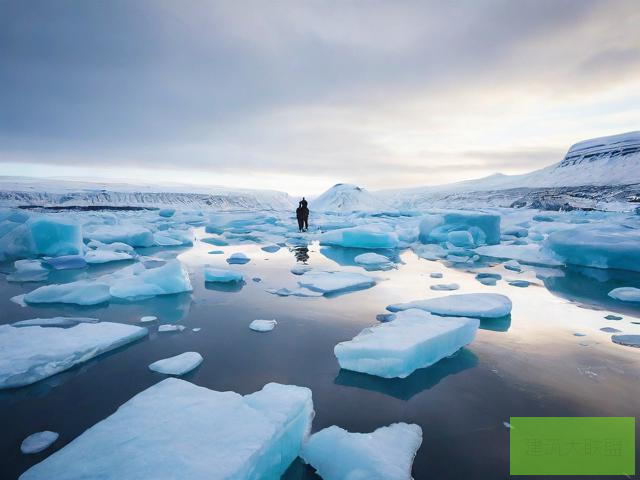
(67, 262)
(385, 454)
(133, 235)
(46, 235)
(415, 339)
(365, 236)
(176, 429)
(476, 305)
(238, 258)
(167, 212)
(608, 246)
(484, 228)
(221, 275)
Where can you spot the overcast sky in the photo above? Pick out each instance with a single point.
(298, 95)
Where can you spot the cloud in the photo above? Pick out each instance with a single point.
(399, 92)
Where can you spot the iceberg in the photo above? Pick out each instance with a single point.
(414, 339)
(28, 271)
(372, 237)
(81, 292)
(46, 235)
(476, 305)
(238, 258)
(461, 228)
(133, 235)
(608, 246)
(221, 275)
(177, 365)
(201, 434)
(29, 354)
(334, 282)
(135, 282)
(37, 442)
(263, 325)
(385, 454)
(626, 294)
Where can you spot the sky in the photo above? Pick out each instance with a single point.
(300, 95)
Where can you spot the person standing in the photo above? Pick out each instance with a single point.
(300, 217)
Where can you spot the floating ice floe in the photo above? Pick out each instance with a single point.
(414, 339)
(334, 282)
(531, 254)
(490, 279)
(626, 294)
(519, 283)
(436, 275)
(28, 271)
(271, 248)
(132, 235)
(148, 318)
(105, 256)
(200, 434)
(461, 228)
(221, 275)
(263, 325)
(476, 305)
(216, 252)
(81, 292)
(385, 454)
(295, 292)
(610, 330)
(372, 236)
(170, 327)
(609, 246)
(136, 281)
(29, 354)
(37, 442)
(54, 322)
(177, 365)
(50, 236)
(300, 269)
(445, 286)
(613, 317)
(512, 265)
(373, 261)
(627, 340)
(238, 258)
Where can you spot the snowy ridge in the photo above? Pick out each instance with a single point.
(22, 191)
(344, 197)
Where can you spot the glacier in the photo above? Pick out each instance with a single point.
(385, 454)
(178, 364)
(414, 339)
(29, 354)
(199, 434)
(476, 305)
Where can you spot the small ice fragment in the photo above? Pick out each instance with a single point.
(167, 212)
(28, 271)
(170, 327)
(221, 275)
(216, 252)
(67, 262)
(385, 317)
(610, 330)
(445, 286)
(197, 329)
(613, 317)
(271, 248)
(478, 305)
(19, 299)
(626, 294)
(519, 283)
(105, 256)
(296, 292)
(512, 265)
(373, 261)
(263, 325)
(436, 275)
(256, 279)
(579, 334)
(218, 242)
(54, 322)
(507, 424)
(628, 340)
(300, 269)
(238, 258)
(178, 365)
(148, 318)
(37, 442)
(385, 454)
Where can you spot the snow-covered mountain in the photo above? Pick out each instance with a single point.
(344, 197)
(594, 172)
(25, 191)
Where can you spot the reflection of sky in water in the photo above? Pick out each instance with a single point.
(527, 364)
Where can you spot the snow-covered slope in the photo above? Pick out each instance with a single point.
(24, 191)
(605, 169)
(344, 197)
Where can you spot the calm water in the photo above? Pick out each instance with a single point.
(528, 365)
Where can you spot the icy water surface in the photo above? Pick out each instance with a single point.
(530, 364)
